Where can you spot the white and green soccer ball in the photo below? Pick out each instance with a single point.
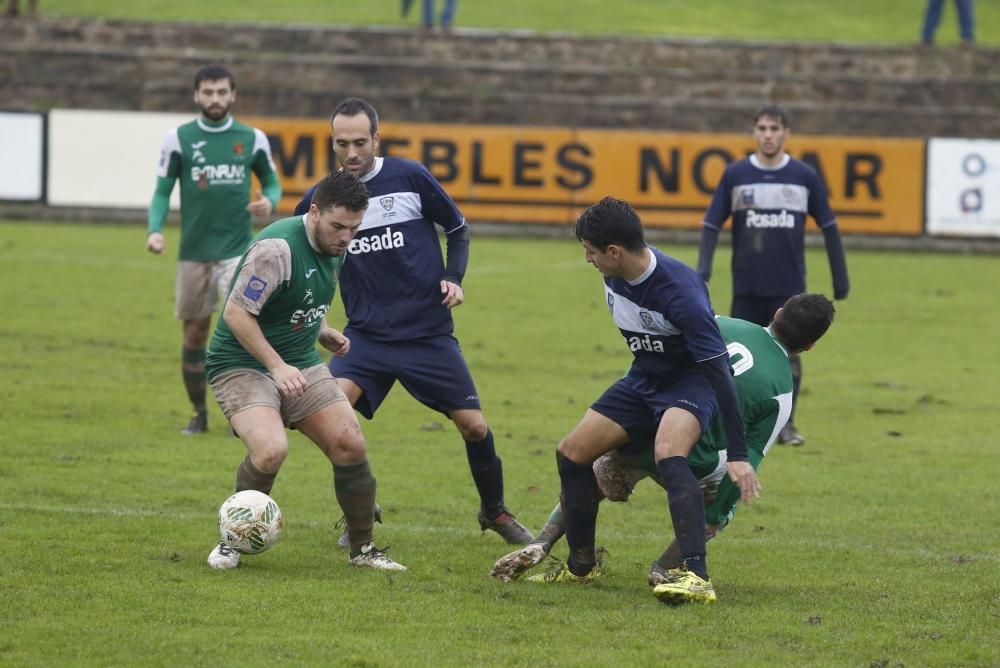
(249, 522)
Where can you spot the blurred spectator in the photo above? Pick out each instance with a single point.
(932, 17)
(447, 13)
(14, 10)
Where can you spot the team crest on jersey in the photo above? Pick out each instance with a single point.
(647, 320)
(386, 203)
(746, 196)
(238, 148)
(611, 303)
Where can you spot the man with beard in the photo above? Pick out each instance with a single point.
(769, 195)
(213, 156)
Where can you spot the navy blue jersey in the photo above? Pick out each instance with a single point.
(769, 208)
(665, 316)
(391, 280)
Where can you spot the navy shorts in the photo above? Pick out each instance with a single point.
(637, 402)
(431, 369)
(757, 309)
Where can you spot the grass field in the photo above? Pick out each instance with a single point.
(885, 21)
(873, 545)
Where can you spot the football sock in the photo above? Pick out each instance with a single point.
(487, 472)
(687, 511)
(580, 499)
(354, 486)
(795, 361)
(249, 476)
(193, 372)
(553, 529)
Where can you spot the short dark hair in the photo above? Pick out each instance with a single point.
(611, 221)
(804, 319)
(352, 106)
(340, 189)
(214, 73)
(772, 111)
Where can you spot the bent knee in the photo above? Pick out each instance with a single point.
(270, 458)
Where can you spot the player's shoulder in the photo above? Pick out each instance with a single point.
(405, 167)
(795, 165)
(673, 267)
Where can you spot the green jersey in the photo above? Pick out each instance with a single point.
(764, 387)
(214, 162)
(288, 285)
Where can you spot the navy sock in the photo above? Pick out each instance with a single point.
(687, 511)
(580, 499)
(487, 473)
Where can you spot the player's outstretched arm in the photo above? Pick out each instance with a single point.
(838, 263)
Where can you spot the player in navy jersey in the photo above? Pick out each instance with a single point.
(679, 377)
(398, 295)
(769, 196)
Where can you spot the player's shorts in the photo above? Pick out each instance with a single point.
(201, 286)
(432, 370)
(757, 309)
(240, 389)
(637, 402)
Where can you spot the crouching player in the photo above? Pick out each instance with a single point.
(759, 358)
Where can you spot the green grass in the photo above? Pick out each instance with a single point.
(885, 21)
(873, 545)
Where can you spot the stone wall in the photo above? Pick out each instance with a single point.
(478, 76)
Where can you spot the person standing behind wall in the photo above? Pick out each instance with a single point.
(932, 17)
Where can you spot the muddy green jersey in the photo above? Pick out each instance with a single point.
(214, 163)
(288, 285)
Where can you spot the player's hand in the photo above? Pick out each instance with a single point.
(453, 294)
(260, 207)
(334, 341)
(745, 478)
(289, 380)
(155, 243)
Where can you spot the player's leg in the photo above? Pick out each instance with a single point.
(514, 564)
(932, 17)
(193, 306)
(251, 402)
(486, 468)
(325, 416)
(435, 373)
(592, 437)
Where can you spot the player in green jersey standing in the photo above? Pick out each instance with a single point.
(213, 157)
(760, 361)
(265, 371)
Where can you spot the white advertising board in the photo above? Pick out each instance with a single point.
(107, 158)
(22, 142)
(963, 187)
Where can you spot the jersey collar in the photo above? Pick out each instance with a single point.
(376, 168)
(225, 125)
(649, 270)
(783, 348)
(756, 163)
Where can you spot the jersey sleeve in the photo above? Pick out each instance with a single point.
(268, 264)
(263, 167)
(722, 203)
(167, 171)
(436, 204)
(691, 311)
(819, 201)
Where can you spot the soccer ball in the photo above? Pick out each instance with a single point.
(249, 522)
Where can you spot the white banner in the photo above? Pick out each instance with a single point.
(21, 153)
(107, 158)
(963, 187)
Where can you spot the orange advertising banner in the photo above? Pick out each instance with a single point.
(548, 175)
